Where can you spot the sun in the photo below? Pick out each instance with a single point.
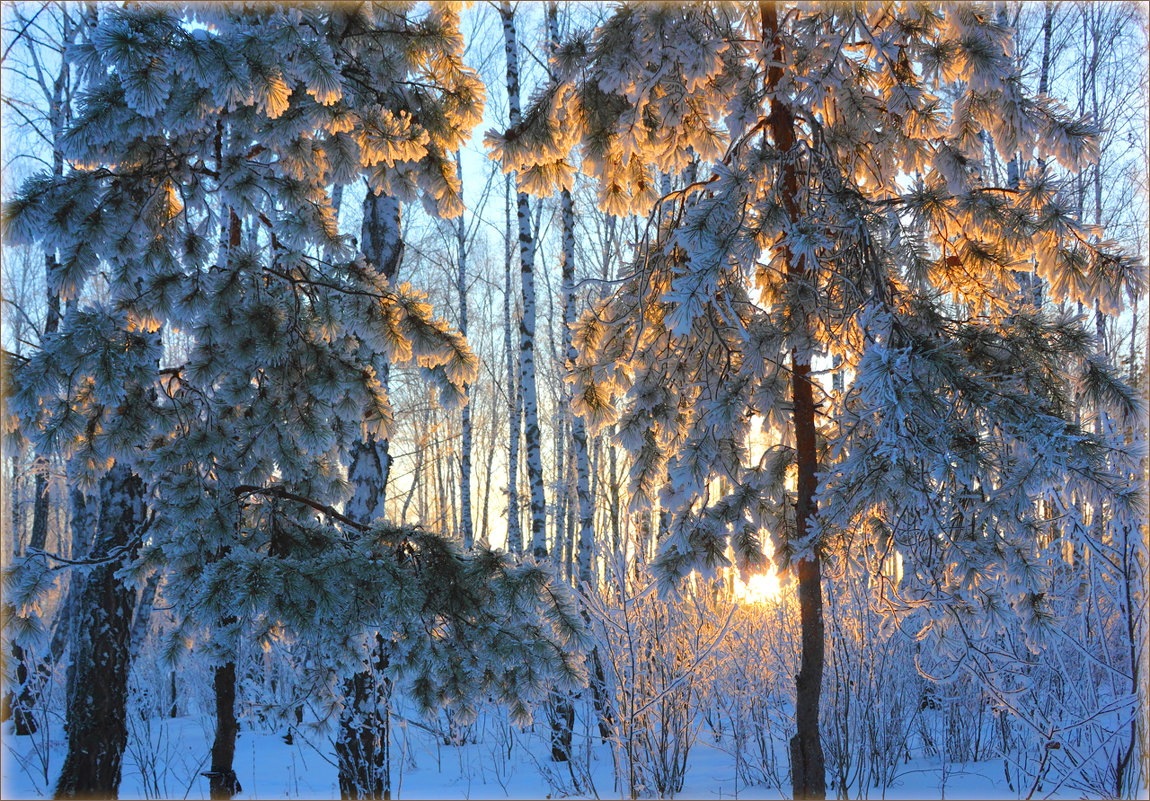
(761, 588)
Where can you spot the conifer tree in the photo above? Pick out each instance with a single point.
(844, 208)
(203, 154)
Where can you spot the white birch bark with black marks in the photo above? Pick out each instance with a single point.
(514, 399)
(465, 523)
(527, 323)
(586, 534)
(613, 491)
(484, 518)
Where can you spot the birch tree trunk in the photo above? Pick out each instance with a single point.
(1130, 571)
(485, 519)
(56, 95)
(586, 538)
(514, 398)
(465, 523)
(1033, 280)
(578, 428)
(527, 323)
(586, 509)
(363, 747)
(83, 530)
(613, 505)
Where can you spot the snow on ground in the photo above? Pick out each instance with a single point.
(165, 757)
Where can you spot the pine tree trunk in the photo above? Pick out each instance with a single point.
(222, 780)
(363, 746)
(808, 774)
(362, 740)
(382, 246)
(527, 324)
(96, 725)
(173, 697)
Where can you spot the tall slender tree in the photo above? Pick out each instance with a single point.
(363, 743)
(527, 384)
(586, 538)
(514, 390)
(843, 208)
(51, 68)
(465, 523)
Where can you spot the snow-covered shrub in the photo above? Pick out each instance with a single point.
(657, 654)
(871, 690)
(750, 695)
